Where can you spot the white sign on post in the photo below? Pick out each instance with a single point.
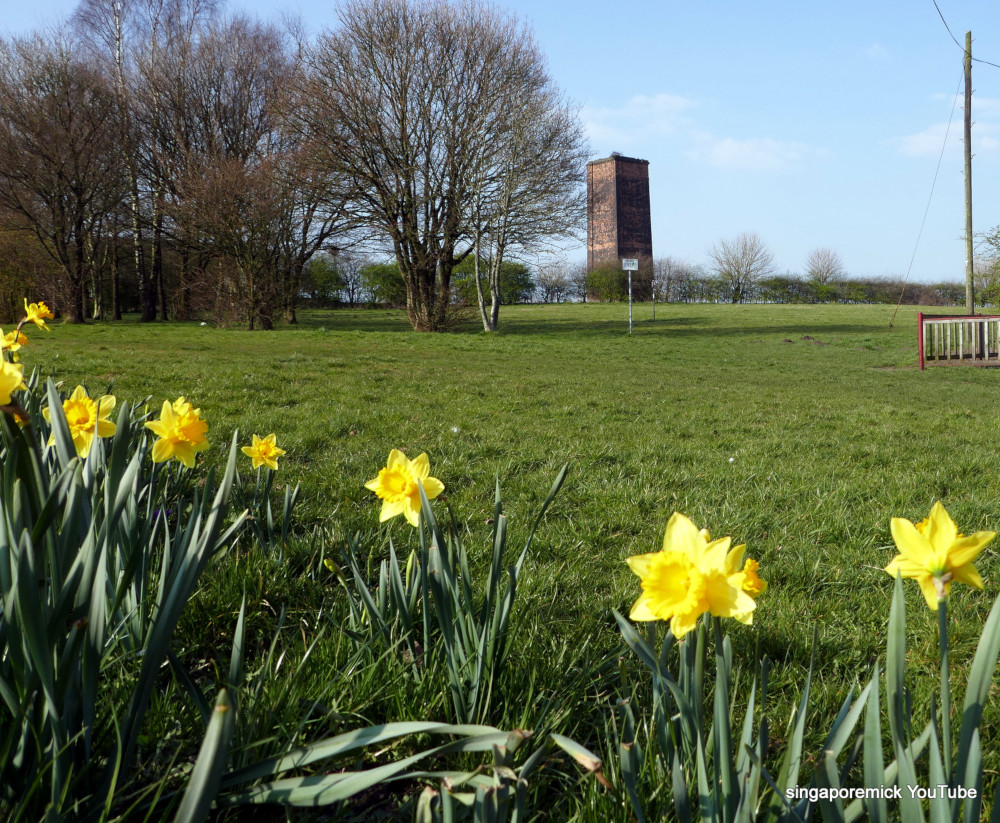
(630, 264)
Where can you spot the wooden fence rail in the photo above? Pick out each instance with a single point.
(972, 340)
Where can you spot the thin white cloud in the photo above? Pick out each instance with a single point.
(640, 118)
(986, 127)
(750, 154)
(877, 53)
(929, 141)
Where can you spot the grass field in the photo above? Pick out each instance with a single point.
(798, 430)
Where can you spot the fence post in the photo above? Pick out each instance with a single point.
(920, 338)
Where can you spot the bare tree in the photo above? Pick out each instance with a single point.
(245, 183)
(419, 104)
(130, 39)
(350, 268)
(669, 275)
(578, 282)
(59, 167)
(553, 281)
(528, 186)
(824, 266)
(740, 263)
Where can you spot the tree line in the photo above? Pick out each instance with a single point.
(158, 156)
(742, 270)
(330, 282)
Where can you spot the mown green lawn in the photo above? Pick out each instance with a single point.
(798, 430)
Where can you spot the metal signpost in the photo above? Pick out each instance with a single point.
(630, 264)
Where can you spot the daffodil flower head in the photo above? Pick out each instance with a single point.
(86, 418)
(264, 452)
(935, 554)
(37, 313)
(11, 379)
(398, 484)
(691, 575)
(12, 340)
(181, 432)
(747, 569)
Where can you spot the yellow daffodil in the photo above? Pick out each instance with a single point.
(749, 581)
(37, 313)
(181, 431)
(752, 583)
(690, 576)
(85, 418)
(11, 379)
(12, 340)
(935, 554)
(264, 452)
(398, 484)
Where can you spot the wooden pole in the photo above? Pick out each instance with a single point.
(970, 298)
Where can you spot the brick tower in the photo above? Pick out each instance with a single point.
(618, 222)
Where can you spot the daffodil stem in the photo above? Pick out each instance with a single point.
(945, 690)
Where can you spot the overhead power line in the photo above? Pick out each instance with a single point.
(974, 59)
(930, 197)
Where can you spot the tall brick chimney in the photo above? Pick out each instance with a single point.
(618, 222)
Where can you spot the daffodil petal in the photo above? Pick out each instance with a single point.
(912, 544)
(641, 564)
(966, 549)
(941, 529)
(421, 466)
(412, 515)
(904, 567)
(162, 450)
(641, 610)
(432, 487)
(681, 624)
(929, 590)
(967, 574)
(390, 508)
(734, 559)
(716, 554)
(681, 533)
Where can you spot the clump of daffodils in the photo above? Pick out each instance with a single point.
(694, 574)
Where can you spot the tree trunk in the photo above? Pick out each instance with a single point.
(116, 303)
(182, 311)
(489, 320)
(161, 291)
(294, 278)
(76, 310)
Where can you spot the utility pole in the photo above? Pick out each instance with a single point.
(970, 298)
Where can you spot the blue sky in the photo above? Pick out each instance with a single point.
(813, 124)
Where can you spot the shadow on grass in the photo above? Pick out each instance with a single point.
(555, 319)
(688, 327)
